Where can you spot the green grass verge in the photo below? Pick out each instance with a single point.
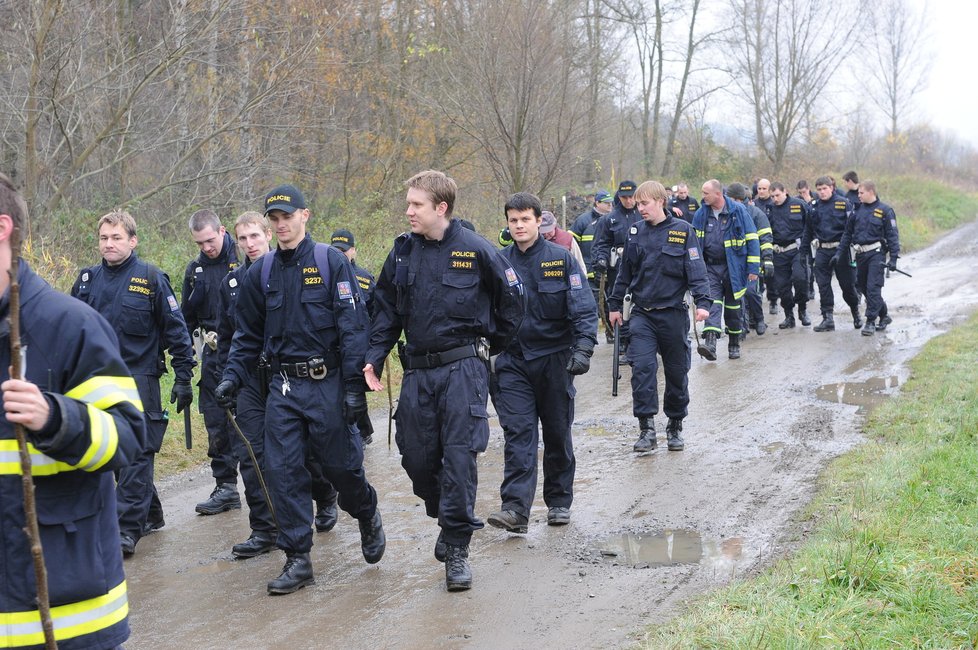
(925, 209)
(892, 558)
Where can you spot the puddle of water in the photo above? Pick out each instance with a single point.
(864, 394)
(773, 447)
(668, 548)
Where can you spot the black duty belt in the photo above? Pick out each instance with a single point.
(315, 367)
(716, 261)
(436, 359)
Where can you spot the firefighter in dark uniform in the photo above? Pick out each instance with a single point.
(136, 299)
(82, 417)
(682, 205)
(731, 250)
(610, 235)
(789, 218)
(301, 308)
(662, 262)
(201, 305)
(583, 230)
(872, 233)
(753, 302)
(456, 299)
(830, 213)
(555, 340)
(253, 238)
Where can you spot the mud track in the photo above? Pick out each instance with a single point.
(647, 532)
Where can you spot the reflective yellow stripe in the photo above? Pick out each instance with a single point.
(751, 235)
(764, 231)
(41, 464)
(587, 237)
(740, 294)
(753, 258)
(734, 242)
(105, 440)
(700, 233)
(736, 306)
(767, 245)
(77, 619)
(106, 392)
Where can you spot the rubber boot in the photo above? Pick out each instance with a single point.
(646, 436)
(827, 324)
(803, 317)
(674, 438)
(458, 575)
(869, 328)
(296, 574)
(788, 322)
(708, 346)
(733, 347)
(857, 320)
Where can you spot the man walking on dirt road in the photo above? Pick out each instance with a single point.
(662, 261)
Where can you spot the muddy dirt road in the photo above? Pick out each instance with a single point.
(647, 532)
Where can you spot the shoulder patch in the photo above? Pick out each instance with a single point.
(344, 290)
(633, 230)
(199, 269)
(85, 276)
(170, 300)
(511, 277)
(694, 253)
(233, 282)
(575, 281)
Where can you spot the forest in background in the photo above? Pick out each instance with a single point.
(164, 107)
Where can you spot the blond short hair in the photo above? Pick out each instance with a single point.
(653, 190)
(251, 217)
(118, 217)
(439, 187)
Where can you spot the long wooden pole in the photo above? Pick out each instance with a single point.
(30, 510)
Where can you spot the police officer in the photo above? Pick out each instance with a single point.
(762, 199)
(682, 205)
(583, 230)
(830, 213)
(753, 303)
(555, 340)
(456, 299)
(732, 254)
(789, 218)
(81, 413)
(253, 238)
(302, 309)
(872, 233)
(201, 304)
(851, 180)
(662, 262)
(136, 299)
(610, 236)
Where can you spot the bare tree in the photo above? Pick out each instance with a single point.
(784, 59)
(900, 38)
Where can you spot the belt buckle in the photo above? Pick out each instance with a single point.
(317, 368)
(301, 369)
(433, 359)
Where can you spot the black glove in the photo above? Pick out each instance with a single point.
(599, 266)
(225, 394)
(354, 406)
(182, 394)
(834, 262)
(768, 265)
(892, 264)
(580, 359)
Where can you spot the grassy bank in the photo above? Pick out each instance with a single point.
(925, 208)
(892, 559)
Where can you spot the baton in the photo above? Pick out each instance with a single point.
(254, 461)
(897, 270)
(390, 400)
(615, 369)
(188, 436)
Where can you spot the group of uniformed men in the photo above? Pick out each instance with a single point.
(290, 339)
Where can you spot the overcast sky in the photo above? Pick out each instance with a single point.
(950, 100)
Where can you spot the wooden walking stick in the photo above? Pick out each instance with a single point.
(30, 510)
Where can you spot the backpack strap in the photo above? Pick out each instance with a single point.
(320, 253)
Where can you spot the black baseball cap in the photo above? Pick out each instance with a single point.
(626, 188)
(342, 239)
(286, 198)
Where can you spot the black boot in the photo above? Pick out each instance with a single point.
(773, 308)
(224, 497)
(884, 321)
(674, 437)
(458, 575)
(803, 317)
(296, 574)
(440, 549)
(325, 516)
(827, 324)
(733, 346)
(509, 520)
(646, 436)
(857, 321)
(788, 322)
(257, 544)
(760, 328)
(708, 346)
(869, 328)
(372, 538)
